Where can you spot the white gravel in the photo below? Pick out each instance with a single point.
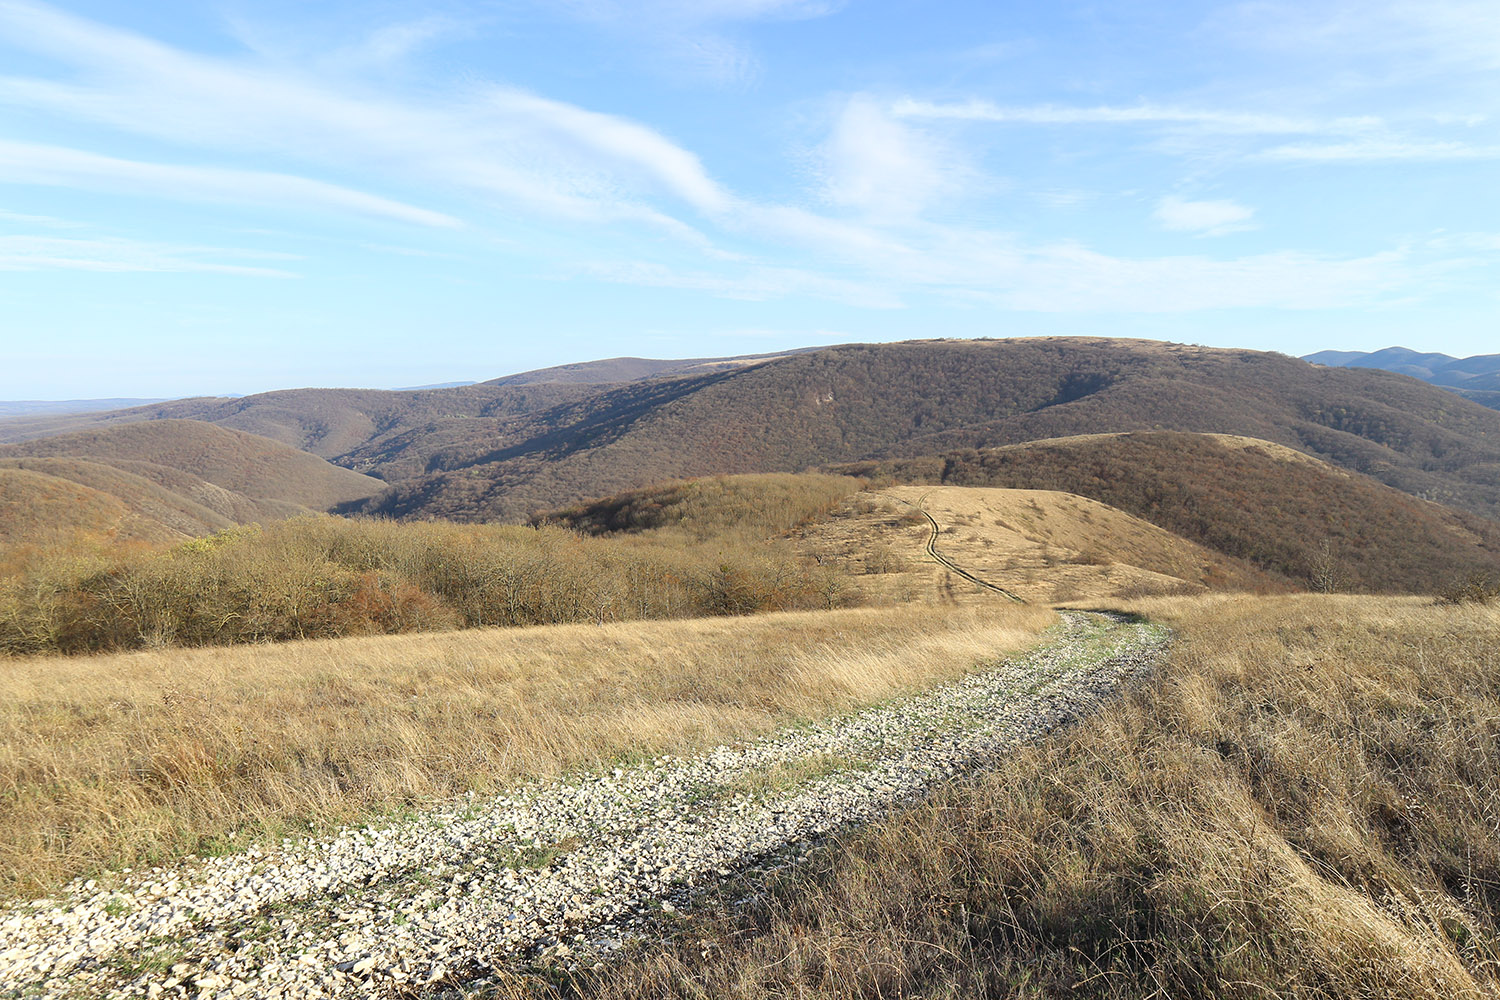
(561, 867)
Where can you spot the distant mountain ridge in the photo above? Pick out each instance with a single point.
(59, 407)
(1477, 376)
(508, 448)
(864, 401)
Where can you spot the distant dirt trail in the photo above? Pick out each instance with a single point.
(938, 557)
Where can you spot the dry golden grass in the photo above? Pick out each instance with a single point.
(122, 759)
(1046, 547)
(1304, 802)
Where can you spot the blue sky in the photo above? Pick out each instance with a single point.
(229, 197)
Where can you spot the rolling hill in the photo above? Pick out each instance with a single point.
(255, 467)
(41, 512)
(1281, 510)
(912, 399)
(509, 448)
(361, 423)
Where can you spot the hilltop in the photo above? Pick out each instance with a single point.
(910, 399)
(1287, 513)
(364, 424)
(506, 449)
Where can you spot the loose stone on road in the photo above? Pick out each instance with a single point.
(565, 867)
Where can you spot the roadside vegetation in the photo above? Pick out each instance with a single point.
(323, 576)
(141, 758)
(1304, 802)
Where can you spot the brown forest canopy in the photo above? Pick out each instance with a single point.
(506, 451)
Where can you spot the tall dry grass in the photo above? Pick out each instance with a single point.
(1305, 802)
(127, 759)
(322, 576)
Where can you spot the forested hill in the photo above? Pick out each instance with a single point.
(915, 398)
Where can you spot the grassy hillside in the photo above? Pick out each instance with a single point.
(179, 500)
(244, 463)
(894, 400)
(321, 576)
(1280, 510)
(1300, 804)
(1042, 546)
(145, 757)
(44, 516)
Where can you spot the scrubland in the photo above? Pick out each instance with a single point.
(133, 758)
(321, 576)
(1304, 802)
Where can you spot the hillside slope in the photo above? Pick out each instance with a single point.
(39, 512)
(911, 399)
(358, 423)
(256, 467)
(1278, 509)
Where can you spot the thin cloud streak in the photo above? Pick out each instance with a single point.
(36, 253)
(31, 163)
(1231, 122)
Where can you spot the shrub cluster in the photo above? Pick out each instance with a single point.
(1477, 588)
(322, 576)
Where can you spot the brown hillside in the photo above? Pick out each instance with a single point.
(183, 516)
(244, 463)
(325, 422)
(1042, 546)
(889, 400)
(40, 514)
(1280, 510)
(618, 370)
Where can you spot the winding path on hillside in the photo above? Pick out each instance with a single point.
(932, 550)
(558, 868)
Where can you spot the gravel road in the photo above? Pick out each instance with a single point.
(565, 868)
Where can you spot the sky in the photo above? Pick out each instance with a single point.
(227, 197)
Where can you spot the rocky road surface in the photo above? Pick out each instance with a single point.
(420, 907)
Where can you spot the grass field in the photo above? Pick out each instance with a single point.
(1045, 547)
(127, 759)
(1304, 802)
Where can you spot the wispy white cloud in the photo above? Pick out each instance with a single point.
(50, 222)
(883, 167)
(31, 163)
(698, 37)
(500, 148)
(38, 253)
(1334, 139)
(1203, 218)
(1380, 150)
(757, 283)
(1431, 35)
(536, 154)
(628, 144)
(1226, 121)
(1069, 278)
